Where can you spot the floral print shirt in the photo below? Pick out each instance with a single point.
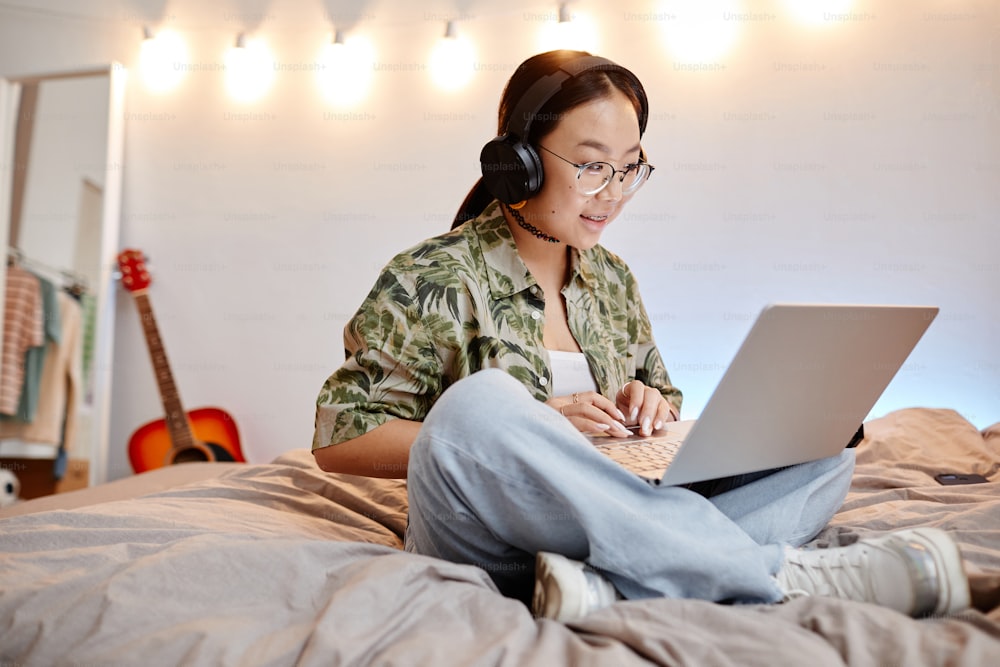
(464, 301)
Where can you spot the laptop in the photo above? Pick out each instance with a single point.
(802, 382)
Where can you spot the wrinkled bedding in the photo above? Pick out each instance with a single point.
(281, 564)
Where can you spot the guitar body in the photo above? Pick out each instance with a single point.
(205, 434)
(216, 438)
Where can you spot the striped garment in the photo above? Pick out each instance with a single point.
(23, 329)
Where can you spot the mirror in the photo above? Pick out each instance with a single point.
(61, 144)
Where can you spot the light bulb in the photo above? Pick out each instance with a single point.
(819, 12)
(249, 69)
(162, 60)
(701, 31)
(347, 69)
(572, 30)
(452, 61)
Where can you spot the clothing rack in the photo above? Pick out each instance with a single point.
(76, 285)
(74, 282)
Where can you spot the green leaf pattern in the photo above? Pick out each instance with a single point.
(462, 302)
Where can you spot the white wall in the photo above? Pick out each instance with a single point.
(854, 161)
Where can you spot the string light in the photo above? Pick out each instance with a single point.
(347, 67)
(695, 31)
(452, 60)
(249, 69)
(161, 59)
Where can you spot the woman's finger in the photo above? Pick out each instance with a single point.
(650, 413)
(590, 411)
(630, 398)
(590, 426)
(644, 406)
(580, 400)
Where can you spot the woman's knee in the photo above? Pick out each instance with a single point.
(481, 391)
(476, 404)
(490, 419)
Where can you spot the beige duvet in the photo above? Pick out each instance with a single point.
(281, 564)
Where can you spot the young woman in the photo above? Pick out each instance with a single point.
(481, 358)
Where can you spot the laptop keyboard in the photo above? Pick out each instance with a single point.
(641, 456)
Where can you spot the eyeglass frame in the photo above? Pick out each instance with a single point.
(623, 172)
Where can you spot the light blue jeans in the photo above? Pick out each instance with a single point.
(496, 476)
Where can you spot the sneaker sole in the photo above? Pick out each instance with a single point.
(547, 600)
(543, 581)
(954, 594)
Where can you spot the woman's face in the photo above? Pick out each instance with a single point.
(604, 130)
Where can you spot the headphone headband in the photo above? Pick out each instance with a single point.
(546, 88)
(512, 169)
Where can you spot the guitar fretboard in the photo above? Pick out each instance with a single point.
(176, 419)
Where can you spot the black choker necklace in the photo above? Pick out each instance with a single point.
(535, 231)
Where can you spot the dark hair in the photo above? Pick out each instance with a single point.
(589, 85)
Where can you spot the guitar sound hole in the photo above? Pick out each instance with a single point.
(220, 453)
(190, 455)
(210, 452)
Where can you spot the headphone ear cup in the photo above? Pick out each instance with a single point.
(512, 169)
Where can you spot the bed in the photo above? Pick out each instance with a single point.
(281, 564)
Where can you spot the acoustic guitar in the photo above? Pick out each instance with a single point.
(204, 434)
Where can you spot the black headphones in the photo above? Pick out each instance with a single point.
(512, 168)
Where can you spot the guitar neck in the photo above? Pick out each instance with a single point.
(176, 419)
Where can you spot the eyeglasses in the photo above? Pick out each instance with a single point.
(592, 177)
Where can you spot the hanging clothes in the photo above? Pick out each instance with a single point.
(59, 395)
(34, 358)
(88, 303)
(59, 392)
(23, 328)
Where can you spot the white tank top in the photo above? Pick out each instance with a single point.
(570, 373)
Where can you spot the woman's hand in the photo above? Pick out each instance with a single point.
(590, 412)
(644, 406)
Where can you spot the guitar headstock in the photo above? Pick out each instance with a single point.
(132, 264)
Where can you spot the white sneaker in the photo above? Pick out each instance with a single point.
(916, 571)
(566, 590)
